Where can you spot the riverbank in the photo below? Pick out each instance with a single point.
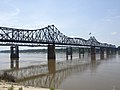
(9, 86)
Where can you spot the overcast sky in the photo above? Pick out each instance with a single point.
(75, 18)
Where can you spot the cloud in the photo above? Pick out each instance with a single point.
(111, 18)
(17, 11)
(9, 17)
(113, 33)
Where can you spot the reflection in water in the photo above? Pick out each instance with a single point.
(14, 64)
(54, 73)
(51, 66)
(93, 57)
(51, 70)
(94, 65)
(93, 61)
(57, 72)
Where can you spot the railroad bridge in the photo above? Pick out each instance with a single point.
(51, 37)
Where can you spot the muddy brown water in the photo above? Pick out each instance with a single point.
(78, 74)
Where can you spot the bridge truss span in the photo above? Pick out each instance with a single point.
(47, 35)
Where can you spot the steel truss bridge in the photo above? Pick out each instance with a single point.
(44, 36)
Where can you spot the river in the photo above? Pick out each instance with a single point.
(100, 75)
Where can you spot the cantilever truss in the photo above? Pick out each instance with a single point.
(47, 35)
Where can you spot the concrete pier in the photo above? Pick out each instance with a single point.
(101, 53)
(51, 59)
(14, 52)
(114, 50)
(81, 52)
(68, 52)
(14, 63)
(88, 51)
(107, 52)
(51, 52)
(93, 53)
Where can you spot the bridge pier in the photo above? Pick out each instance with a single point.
(14, 63)
(88, 51)
(93, 53)
(51, 52)
(113, 50)
(101, 53)
(97, 51)
(107, 52)
(81, 51)
(69, 52)
(14, 52)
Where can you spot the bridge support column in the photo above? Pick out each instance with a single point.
(14, 63)
(88, 51)
(107, 52)
(93, 53)
(51, 61)
(113, 50)
(51, 52)
(81, 51)
(110, 51)
(14, 52)
(69, 52)
(101, 53)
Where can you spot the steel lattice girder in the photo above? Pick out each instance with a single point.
(47, 35)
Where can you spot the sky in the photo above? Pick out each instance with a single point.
(75, 18)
